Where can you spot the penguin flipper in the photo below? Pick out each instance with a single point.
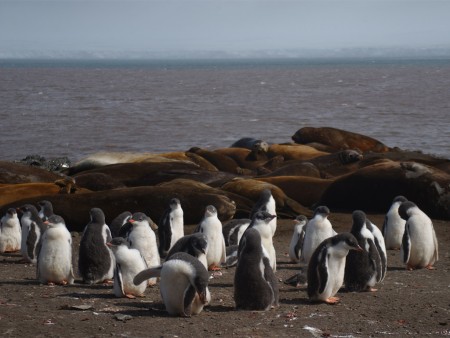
(118, 278)
(322, 271)
(298, 248)
(406, 244)
(31, 240)
(147, 274)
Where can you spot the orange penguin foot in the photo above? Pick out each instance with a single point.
(332, 300)
(130, 296)
(214, 267)
(430, 267)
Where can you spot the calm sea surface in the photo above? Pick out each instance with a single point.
(75, 108)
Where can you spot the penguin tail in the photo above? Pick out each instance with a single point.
(147, 274)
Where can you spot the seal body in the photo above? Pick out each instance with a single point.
(327, 266)
(255, 284)
(10, 232)
(419, 244)
(394, 225)
(96, 261)
(183, 284)
(317, 230)
(211, 227)
(32, 229)
(298, 236)
(363, 269)
(262, 223)
(54, 263)
(171, 226)
(195, 245)
(129, 262)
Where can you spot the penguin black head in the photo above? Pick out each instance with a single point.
(174, 203)
(322, 210)
(118, 241)
(359, 220)
(210, 211)
(97, 216)
(350, 241)
(261, 217)
(400, 199)
(141, 217)
(199, 243)
(301, 219)
(54, 220)
(11, 212)
(46, 205)
(404, 208)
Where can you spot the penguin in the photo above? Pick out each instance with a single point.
(54, 263)
(362, 270)
(419, 243)
(183, 284)
(234, 229)
(10, 232)
(195, 245)
(262, 223)
(142, 237)
(45, 209)
(266, 202)
(255, 284)
(95, 260)
(171, 226)
(118, 222)
(129, 262)
(295, 247)
(232, 256)
(211, 226)
(394, 225)
(317, 230)
(32, 229)
(381, 248)
(326, 267)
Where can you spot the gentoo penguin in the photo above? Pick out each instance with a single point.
(142, 237)
(317, 230)
(261, 222)
(419, 244)
(327, 265)
(363, 269)
(295, 248)
(394, 225)
(129, 262)
(10, 232)
(54, 263)
(234, 229)
(45, 209)
(183, 284)
(380, 245)
(32, 229)
(171, 226)
(195, 245)
(255, 284)
(118, 222)
(266, 203)
(211, 226)
(96, 261)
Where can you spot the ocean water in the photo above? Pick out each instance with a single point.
(76, 108)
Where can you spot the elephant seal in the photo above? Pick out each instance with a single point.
(251, 143)
(338, 139)
(12, 173)
(373, 188)
(220, 161)
(294, 151)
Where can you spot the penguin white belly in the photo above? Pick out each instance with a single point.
(197, 304)
(312, 240)
(177, 230)
(10, 239)
(394, 232)
(216, 246)
(267, 244)
(130, 266)
(241, 232)
(55, 260)
(336, 268)
(145, 242)
(423, 249)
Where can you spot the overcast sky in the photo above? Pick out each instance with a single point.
(228, 25)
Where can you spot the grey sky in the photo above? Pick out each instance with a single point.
(191, 25)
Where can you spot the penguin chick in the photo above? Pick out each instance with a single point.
(394, 225)
(298, 236)
(10, 232)
(183, 284)
(54, 263)
(171, 226)
(266, 203)
(327, 265)
(419, 243)
(255, 284)
(32, 229)
(129, 262)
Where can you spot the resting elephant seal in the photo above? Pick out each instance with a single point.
(12, 173)
(338, 139)
(294, 151)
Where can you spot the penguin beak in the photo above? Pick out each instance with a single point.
(202, 297)
(359, 249)
(109, 244)
(131, 220)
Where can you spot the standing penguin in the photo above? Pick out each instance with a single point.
(419, 244)
(317, 230)
(171, 226)
(298, 236)
(183, 284)
(32, 229)
(211, 226)
(362, 270)
(262, 223)
(129, 262)
(96, 261)
(195, 245)
(142, 237)
(118, 222)
(10, 232)
(54, 263)
(46, 209)
(381, 248)
(255, 284)
(394, 225)
(266, 203)
(327, 265)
